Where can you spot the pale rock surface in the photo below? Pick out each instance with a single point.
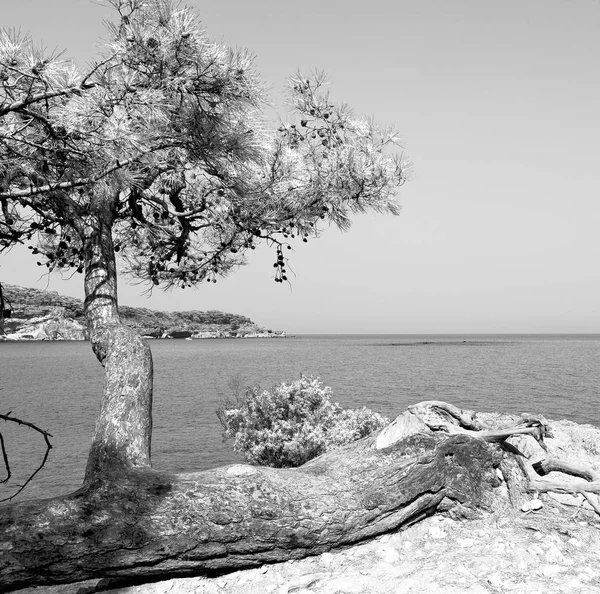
(51, 327)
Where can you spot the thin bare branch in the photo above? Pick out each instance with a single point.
(5, 460)
(46, 436)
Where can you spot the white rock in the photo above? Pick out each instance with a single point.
(474, 589)
(532, 505)
(305, 582)
(389, 555)
(551, 570)
(436, 532)
(241, 470)
(346, 585)
(535, 550)
(554, 555)
(574, 585)
(462, 569)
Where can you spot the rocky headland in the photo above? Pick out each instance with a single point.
(45, 315)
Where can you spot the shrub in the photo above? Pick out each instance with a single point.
(292, 423)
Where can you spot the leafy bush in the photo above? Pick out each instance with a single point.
(292, 423)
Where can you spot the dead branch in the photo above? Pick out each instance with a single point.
(5, 460)
(8, 418)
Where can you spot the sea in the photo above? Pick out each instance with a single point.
(58, 387)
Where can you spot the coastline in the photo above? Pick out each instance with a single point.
(33, 314)
(554, 549)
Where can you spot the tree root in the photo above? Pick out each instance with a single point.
(439, 416)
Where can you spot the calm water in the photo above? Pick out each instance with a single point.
(58, 386)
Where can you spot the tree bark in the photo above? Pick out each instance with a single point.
(122, 436)
(143, 523)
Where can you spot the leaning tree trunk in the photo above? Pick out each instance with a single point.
(146, 523)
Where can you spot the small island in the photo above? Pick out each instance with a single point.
(34, 314)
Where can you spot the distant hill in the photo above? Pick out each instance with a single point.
(46, 315)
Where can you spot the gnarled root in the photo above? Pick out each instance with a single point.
(439, 416)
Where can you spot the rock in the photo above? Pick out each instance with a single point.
(389, 555)
(152, 332)
(51, 328)
(347, 586)
(567, 499)
(178, 333)
(554, 555)
(402, 426)
(436, 532)
(307, 582)
(535, 550)
(532, 505)
(550, 570)
(215, 334)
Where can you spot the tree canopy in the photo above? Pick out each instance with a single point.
(166, 136)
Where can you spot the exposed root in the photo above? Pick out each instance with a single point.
(439, 416)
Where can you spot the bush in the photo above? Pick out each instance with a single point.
(292, 423)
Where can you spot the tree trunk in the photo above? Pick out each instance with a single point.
(124, 425)
(143, 523)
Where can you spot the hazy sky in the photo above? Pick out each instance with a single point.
(498, 104)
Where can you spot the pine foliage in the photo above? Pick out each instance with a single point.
(165, 139)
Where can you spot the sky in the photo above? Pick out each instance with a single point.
(497, 104)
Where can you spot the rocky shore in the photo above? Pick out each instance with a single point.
(549, 548)
(46, 315)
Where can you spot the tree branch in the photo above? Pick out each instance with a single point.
(76, 183)
(17, 105)
(46, 436)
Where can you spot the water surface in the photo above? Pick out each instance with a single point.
(58, 386)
